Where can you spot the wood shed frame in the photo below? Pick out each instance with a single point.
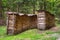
(17, 22)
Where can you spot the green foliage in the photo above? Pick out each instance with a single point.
(30, 6)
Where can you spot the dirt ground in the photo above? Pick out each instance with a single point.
(53, 29)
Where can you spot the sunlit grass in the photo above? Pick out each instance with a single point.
(32, 34)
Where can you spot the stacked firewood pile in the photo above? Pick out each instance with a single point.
(11, 22)
(20, 22)
(45, 19)
(17, 22)
(50, 20)
(24, 22)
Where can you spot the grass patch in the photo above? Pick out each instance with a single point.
(58, 25)
(27, 35)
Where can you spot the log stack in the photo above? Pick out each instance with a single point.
(45, 20)
(11, 22)
(18, 22)
(25, 22)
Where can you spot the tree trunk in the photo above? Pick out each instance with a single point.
(33, 9)
(0, 9)
(2, 21)
(41, 6)
(44, 4)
